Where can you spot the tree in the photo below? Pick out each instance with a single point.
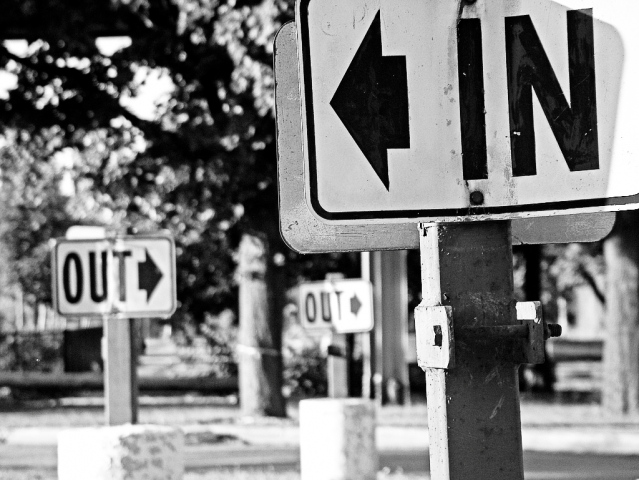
(32, 211)
(201, 166)
(620, 390)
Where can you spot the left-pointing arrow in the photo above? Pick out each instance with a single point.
(372, 101)
(149, 275)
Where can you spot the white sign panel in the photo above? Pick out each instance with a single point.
(131, 276)
(452, 111)
(344, 305)
(304, 232)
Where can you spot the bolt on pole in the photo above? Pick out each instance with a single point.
(473, 408)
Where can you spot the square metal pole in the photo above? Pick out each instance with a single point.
(120, 375)
(337, 368)
(473, 408)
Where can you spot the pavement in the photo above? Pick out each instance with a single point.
(546, 427)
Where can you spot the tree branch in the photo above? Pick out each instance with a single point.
(590, 280)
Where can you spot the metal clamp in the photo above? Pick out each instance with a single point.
(434, 336)
(436, 341)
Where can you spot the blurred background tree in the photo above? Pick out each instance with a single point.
(200, 163)
(620, 389)
(165, 122)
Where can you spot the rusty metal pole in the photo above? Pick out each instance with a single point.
(473, 408)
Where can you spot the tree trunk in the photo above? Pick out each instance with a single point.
(620, 390)
(260, 333)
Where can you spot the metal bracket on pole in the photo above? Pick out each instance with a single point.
(522, 343)
(530, 314)
(434, 336)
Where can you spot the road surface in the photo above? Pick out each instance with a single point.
(538, 466)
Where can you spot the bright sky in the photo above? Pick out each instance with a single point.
(156, 88)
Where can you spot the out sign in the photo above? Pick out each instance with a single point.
(346, 306)
(131, 276)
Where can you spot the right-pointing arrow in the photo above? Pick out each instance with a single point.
(149, 275)
(372, 101)
(355, 305)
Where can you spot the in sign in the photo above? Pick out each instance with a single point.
(306, 233)
(449, 111)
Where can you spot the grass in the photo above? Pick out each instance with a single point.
(27, 415)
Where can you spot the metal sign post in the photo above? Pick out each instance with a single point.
(473, 408)
(471, 336)
(337, 366)
(119, 278)
(120, 376)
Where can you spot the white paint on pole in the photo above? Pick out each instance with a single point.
(343, 305)
(131, 276)
(337, 439)
(127, 452)
(543, 78)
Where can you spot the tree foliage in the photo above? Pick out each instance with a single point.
(201, 164)
(32, 212)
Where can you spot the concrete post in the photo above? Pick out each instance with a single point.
(126, 452)
(337, 439)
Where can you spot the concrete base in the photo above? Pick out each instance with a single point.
(131, 452)
(337, 439)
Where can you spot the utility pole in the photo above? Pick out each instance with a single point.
(385, 365)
